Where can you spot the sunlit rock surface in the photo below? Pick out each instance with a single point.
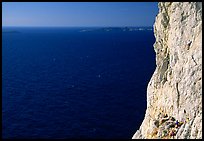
(175, 89)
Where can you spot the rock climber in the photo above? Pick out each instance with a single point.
(177, 123)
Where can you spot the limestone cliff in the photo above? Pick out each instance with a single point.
(174, 93)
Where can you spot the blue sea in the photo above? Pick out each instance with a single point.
(77, 82)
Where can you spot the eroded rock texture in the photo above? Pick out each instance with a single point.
(175, 88)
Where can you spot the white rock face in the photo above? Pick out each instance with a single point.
(175, 88)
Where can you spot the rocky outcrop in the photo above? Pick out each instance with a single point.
(174, 93)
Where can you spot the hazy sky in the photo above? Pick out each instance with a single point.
(79, 13)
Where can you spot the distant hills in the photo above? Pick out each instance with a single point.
(107, 29)
(10, 31)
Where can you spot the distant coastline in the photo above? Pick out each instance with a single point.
(10, 32)
(11, 29)
(119, 29)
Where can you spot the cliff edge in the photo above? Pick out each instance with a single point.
(174, 93)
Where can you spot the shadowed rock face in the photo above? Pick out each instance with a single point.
(175, 88)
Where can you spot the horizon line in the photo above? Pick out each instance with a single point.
(76, 26)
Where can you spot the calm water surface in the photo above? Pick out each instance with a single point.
(74, 82)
